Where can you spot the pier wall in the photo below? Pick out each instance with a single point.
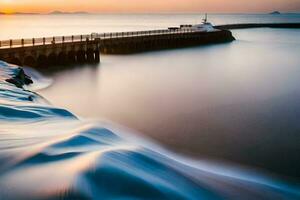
(128, 45)
(41, 52)
(53, 54)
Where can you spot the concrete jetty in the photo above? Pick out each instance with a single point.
(40, 52)
(51, 51)
(164, 40)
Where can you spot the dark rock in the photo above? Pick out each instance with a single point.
(20, 79)
(30, 98)
(275, 13)
(15, 81)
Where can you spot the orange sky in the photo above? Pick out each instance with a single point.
(137, 6)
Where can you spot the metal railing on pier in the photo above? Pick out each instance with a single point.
(15, 43)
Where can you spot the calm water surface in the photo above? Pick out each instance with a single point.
(236, 102)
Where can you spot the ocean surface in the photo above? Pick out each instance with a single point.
(28, 26)
(210, 122)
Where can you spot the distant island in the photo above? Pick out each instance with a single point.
(275, 13)
(19, 13)
(67, 13)
(23, 13)
(51, 13)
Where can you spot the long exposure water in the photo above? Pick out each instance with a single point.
(235, 102)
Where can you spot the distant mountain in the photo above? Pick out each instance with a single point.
(18, 13)
(22, 13)
(275, 13)
(51, 13)
(67, 13)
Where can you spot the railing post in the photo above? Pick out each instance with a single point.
(10, 43)
(72, 38)
(80, 38)
(33, 41)
(22, 42)
(44, 41)
(63, 39)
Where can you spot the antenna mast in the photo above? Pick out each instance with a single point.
(205, 19)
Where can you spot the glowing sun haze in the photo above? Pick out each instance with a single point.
(140, 6)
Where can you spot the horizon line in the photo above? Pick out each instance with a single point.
(57, 12)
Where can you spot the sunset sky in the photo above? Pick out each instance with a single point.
(140, 6)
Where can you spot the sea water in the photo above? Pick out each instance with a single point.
(212, 105)
(236, 101)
